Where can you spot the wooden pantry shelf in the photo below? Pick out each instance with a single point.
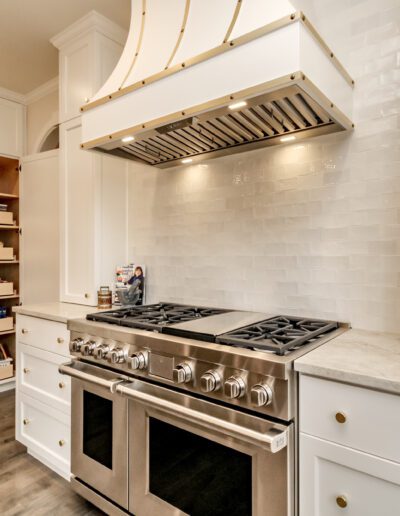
(5, 226)
(8, 196)
(7, 332)
(14, 296)
(2, 262)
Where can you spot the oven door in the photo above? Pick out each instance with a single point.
(190, 456)
(99, 441)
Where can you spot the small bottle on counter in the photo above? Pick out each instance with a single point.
(104, 298)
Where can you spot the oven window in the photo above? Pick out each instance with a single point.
(97, 428)
(196, 475)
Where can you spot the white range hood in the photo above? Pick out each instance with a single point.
(203, 78)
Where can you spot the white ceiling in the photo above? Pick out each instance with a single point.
(27, 58)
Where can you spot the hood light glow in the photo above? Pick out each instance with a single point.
(287, 138)
(237, 105)
(127, 139)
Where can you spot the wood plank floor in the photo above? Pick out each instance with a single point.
(27, 487)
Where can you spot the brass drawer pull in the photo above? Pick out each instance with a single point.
(24, 331)
(87, 296)
(26, 421)
(26, 370)
(61, 385)
(61, 442)
(340, 417)
(60, 340)
(341, 501)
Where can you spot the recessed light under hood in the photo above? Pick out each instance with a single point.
(254, 89)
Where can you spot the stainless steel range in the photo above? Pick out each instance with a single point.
(179, 409)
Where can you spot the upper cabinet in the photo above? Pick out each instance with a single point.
(11, 128)
(89, 50)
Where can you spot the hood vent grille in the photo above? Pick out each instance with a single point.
(265, 118)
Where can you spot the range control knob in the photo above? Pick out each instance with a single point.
(234, 387)
(139, 360)
(75, 345)
(210, 381)
(88, 348)
(261, 395)
(182, 373)
(116, 356)
(101, 351)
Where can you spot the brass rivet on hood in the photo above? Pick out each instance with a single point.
(293, 16)
(293, 76)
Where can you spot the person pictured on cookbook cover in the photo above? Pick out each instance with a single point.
(137, 280)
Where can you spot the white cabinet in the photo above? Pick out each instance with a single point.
(39, 187)
(93, 217)
(336, 480)
(349, 450)
(11, 128)
(89, 51)
(43, 397)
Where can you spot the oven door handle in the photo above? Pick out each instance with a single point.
(273, 439)
(91, 374)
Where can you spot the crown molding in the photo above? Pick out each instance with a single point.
(33, 96)
(91, 22)
(41, 91)
(12, 95)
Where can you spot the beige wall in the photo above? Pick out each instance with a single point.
(40, 117)
(307, 229)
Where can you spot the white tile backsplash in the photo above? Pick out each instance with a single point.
(310, 228)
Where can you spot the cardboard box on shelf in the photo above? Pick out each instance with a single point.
(6, 323)
(6, 288)
(6, 217)
(6, 253)
(6, 369)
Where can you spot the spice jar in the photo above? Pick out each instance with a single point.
(104, 298)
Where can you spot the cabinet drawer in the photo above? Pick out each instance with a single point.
(335, 481)
(41, 333)
(44, 430)
(360, 418)
(38, 377)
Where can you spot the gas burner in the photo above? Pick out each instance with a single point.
(280, 334)
(154, 317)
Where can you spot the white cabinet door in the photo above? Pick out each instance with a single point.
(11, 128)
(93, 217)
(78, 217)
(77, 77)
(332, 476)
(40, 240)
(85, 65)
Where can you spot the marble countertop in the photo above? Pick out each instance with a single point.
(60, 312)
(365, 358)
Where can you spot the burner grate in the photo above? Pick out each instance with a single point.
(278, 334)
(154, 317)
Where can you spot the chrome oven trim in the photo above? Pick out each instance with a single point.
(113, 483)
(271, 446)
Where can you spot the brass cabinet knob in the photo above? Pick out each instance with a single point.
(87, 295)
(24, 331)
(340, 417)
(341, 501)
(61, 442)
(26, 421)
(60, 340)
(26, 370)
(61, 385)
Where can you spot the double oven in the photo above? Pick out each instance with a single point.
(142, 448)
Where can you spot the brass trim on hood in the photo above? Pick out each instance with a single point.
(138, 46)
(180, 36)
(224, 47)
(233, 21)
